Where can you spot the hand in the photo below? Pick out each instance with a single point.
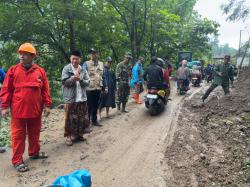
(106, 90)
(76, 78)
(219, 73)
(47, 111)
(5, 113)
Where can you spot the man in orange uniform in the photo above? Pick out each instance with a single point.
(25, 91)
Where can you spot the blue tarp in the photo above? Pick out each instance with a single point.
(79, 178)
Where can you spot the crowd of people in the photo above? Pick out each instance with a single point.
(87, 89)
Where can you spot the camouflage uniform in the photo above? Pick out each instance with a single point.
(224, 73)
(123, 89)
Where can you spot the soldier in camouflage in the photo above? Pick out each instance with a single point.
(223, 73)
(123, 72)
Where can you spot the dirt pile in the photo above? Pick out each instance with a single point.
(211, 145)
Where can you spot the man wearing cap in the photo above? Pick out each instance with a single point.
(26, 92)
(223, 73)
(75, 80)
(123, 72)
(97, 83)
(137, 80)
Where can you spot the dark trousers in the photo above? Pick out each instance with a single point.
(212, 87)
(93, 102)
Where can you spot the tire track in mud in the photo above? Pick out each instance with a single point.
(127, 151)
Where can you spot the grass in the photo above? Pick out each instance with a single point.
(5, 133)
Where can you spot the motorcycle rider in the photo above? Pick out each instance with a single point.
(154, 75)
(209, 72)
(183, 73)
(196, 72)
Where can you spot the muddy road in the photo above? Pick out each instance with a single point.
(127, 151)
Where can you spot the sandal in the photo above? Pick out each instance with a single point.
(40, 155)
(68, 142)
(21, 167)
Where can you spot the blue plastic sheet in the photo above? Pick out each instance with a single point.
(79, 178)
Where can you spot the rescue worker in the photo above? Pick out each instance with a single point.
(97, 83)
(223, 73)
(137, 80)
(122, 76)
(75, 79)
(26, 92)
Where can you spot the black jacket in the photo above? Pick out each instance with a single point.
(154, 76)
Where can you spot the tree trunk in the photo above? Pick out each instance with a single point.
(70, 17)
(245, 52)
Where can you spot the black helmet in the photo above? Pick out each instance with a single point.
(160, 62)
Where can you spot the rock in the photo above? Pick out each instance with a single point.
(203, 156)
(210, 177)
(238, 119)
(246, 109)
(82, 157)
(213, 125)
(227, 122)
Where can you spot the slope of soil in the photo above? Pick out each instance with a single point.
(211, 144)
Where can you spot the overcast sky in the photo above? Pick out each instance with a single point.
(229, 32)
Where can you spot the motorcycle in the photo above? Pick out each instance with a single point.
(181, 87)
(155, 101)
(196, 80)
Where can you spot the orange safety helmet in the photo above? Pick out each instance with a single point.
(27, 47)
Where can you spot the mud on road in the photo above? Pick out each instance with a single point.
(211, 143)
(128, 151)
(187, 145)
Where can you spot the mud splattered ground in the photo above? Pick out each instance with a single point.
(211, 143)
(187, 145)
(126, 152)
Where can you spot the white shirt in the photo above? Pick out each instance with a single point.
(79, 93)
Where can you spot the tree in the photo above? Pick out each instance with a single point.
(236, 10)
(144, 27)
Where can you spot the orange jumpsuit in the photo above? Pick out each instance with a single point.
(26, 92)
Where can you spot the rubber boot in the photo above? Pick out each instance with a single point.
(134, 96)
(137, 100)
(124, 108)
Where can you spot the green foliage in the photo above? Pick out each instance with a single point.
(144, 27)
(5, 133)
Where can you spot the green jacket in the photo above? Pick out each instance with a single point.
(226, 71)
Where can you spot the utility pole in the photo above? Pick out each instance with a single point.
(239, 43)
